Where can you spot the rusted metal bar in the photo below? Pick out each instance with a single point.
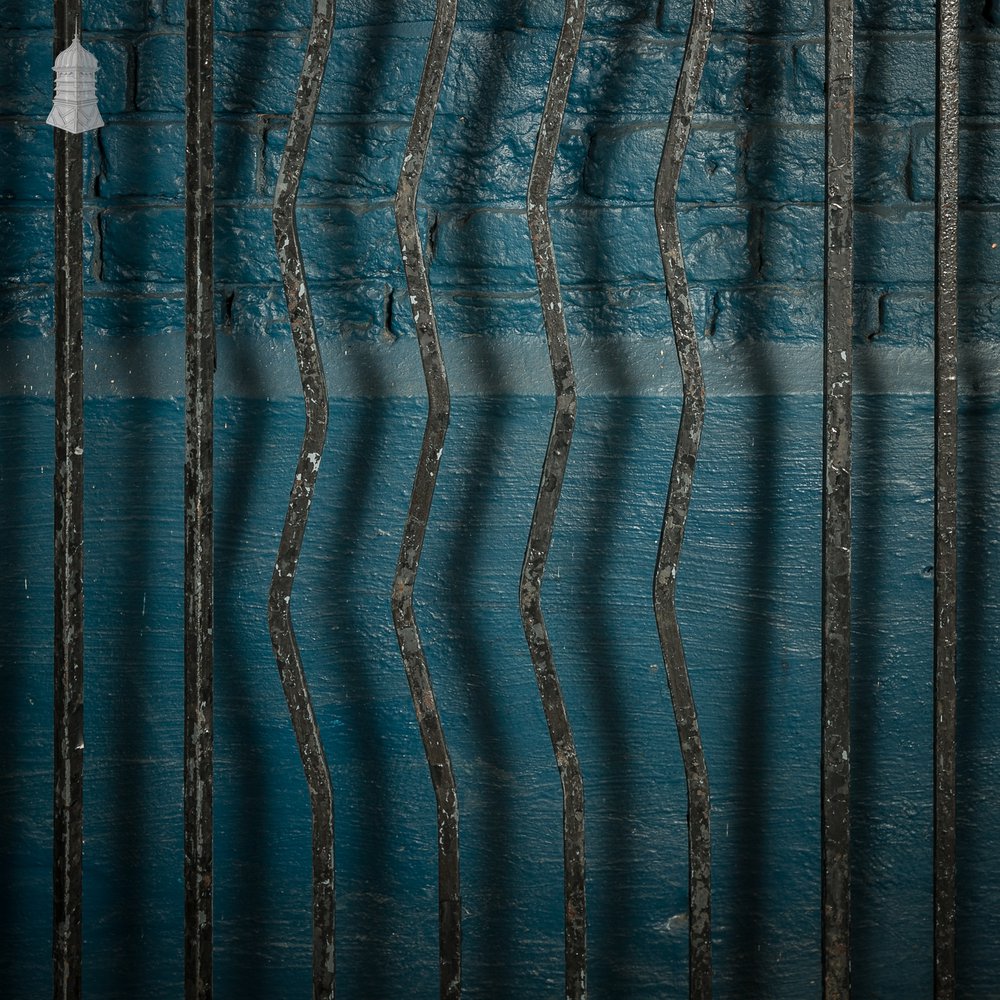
(198, 519)
(836, 573)
(679, 500)
(438, 411)
(67, 867)
(945, 497)
(549, 490)
(279, 613)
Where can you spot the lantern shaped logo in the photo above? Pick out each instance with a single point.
(75, 105)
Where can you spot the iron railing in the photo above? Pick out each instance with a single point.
(198, 621)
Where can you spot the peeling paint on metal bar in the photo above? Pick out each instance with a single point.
(438, 410)
(945, 498)
(678, 502)
(549, 490)
(198, 519)
(67, 832)
(279, 612)
(836, 544)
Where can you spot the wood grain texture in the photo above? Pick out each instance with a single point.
(751, 610)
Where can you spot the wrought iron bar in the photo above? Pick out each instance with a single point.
(198, 519)
(549, 490)
(679, 500)
(67, 855)
(438, 411)
(836, 572)
(310, 362)
(945, 497)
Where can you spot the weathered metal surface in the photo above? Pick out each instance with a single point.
(421, 498)
(679, 500)
(945, 497)
(310, 362)
(198, 519)
(67, 854)
(836, 545)
(549, 490)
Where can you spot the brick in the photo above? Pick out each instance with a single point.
(776, 314)
(907, 318)
(23, 14)
(252, 74)
(980, 81)
(28, 166)
(262, 15)
(894, 79)
(146, 160)
(900, 15)
(143, 245)
(465, 164)
(27, 83)
(979, 181)
(143, 159)
(768, 19)
(979, 247)
(785, 164)
(27, 311)
(491, 250)
(621, 165)
(26, 251)
(505, 72)
(26, 78)
(121, 314)
(881, 156)
(891, 247)
(337, 244)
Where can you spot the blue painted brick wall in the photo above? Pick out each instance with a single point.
(751, 191)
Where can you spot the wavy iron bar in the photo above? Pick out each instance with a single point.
(945, 498)
(679, 500)
(198, 526)
(549, 490)
(67, 854)
(835, 820)
(438, 411)
(279, 614)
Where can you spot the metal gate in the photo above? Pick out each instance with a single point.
(835, 543)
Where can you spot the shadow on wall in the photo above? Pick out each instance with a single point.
(619, 928)
(979, 425)
(483, 425)
(364, 775)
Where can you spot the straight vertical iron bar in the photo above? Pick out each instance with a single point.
(679, 500)
(198, 529)
(549, 490)
(67, 868)
(421, 498)
(310, 362)
(836, 571)
(945, 497)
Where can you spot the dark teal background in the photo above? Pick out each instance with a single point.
(749, 580)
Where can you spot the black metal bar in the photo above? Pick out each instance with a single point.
(679, 500)
(836, 572)
(945, 497)
(310, 362)
(198, 520)
(549, 490)
(67, 867)
(438, 412)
